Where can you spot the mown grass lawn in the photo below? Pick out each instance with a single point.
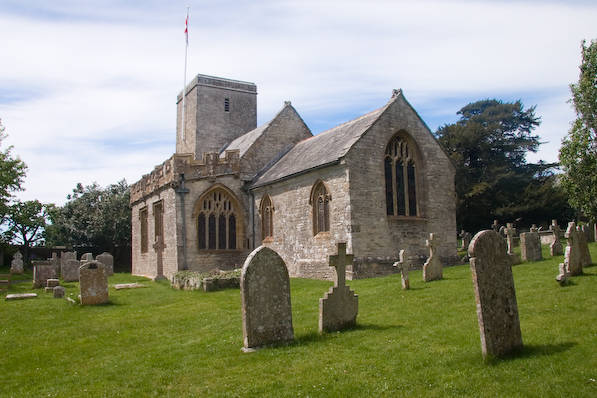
(158, 341)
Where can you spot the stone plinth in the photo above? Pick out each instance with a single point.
(530, 246)
(93, 283)
(265, 294)
(497, 310)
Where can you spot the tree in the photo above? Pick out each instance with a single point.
(26, 221)
(578, 154)
(12, 174)
(93, 217)
(488, 145)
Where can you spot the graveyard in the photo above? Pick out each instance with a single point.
(424, 341)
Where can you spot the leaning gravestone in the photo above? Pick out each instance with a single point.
(339, 307)
(555, 249)
(70, 270)
(497, 310)
(16, 266)
(432, 269)
(585, 255)
(42, 271)
(108, 260)
(93, 283)
(530, 246)
(403, 266)
(572, 254)
(265, 294)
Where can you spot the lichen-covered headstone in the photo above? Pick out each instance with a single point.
(42, 271)
(432, 269)
(64, 257)
(556, 249)
(572, 254)
(497, 310)
(403, 266)
(108, 260)
(58, 291)
(339, 307)
(70, 270)
(585, 255)
(16, 266)
(265, 294)
(530, 246)
(93, 283)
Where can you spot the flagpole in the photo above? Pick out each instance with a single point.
(184, 84)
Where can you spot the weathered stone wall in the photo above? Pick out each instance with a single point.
(306, 255)
(208, 126)
(283, 132)
(375, 234)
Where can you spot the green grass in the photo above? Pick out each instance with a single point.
(158, 341)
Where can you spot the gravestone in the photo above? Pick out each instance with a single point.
(59, 292)
(65, 257)
(432, 269)
(510, 231)
(497, 310)
(93, 283)
(86, 257)
(496, 226)
(403, 266)
(70, 270)
(55, 261)
(562, 277)
(16, 266)
(108, 260)
(585, 255)
(572, 254)
(466, 239)
(42, 271)
(530, 246)
(265, 295)
(555, 249)
(534, 228)
(339, 307)
(52, 283)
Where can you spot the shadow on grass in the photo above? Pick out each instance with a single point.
(315, 337)
(532, 350)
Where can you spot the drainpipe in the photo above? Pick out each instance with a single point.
(182, 191)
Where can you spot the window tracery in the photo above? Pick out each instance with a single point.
(320, 199)
(266, 210)
(400, 172)
(216, 221)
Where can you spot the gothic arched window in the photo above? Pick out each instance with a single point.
(216, 221)
(401, 178)
(266, 209)
(320, 199)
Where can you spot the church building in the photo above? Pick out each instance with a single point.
(380, 183)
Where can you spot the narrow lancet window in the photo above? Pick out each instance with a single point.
(320, 199)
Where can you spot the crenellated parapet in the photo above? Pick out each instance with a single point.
(169, 173)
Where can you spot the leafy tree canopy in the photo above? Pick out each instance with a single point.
(12, 174)
(488, 146)
(578, 154)
(26, 222)
(93, 217)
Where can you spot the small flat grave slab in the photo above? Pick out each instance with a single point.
(20, 296)
(128, 286)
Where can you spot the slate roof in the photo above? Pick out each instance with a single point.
(245, 141)
(320, 150)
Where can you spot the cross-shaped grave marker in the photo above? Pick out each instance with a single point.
(556, 246)
(340, 261)
(432, 269)
(510, 231)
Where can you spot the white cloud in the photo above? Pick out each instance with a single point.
(88, 93)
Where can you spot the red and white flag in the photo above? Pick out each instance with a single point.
(186, 28)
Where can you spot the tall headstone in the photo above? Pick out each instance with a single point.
(108, 260)
(530, 246)
(339, 307)
(510, 231)
(497, 310)
(70, 270)
(16, 266)
(585, 255)
(93, 283)
(42, 271)
(265, 294)
(432, 269)
(403, 266)
(572, 254)
(555, 249)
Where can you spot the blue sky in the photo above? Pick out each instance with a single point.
(88, 88)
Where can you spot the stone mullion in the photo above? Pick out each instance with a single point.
(394, 188)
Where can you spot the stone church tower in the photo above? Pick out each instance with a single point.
(379, 182)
